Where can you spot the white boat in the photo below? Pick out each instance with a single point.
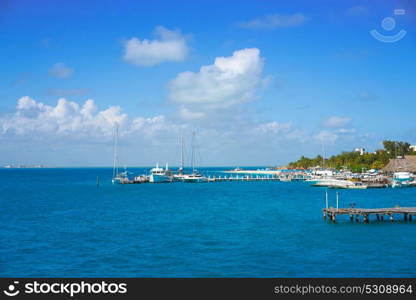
(403, 179)
(159, 175)
(195, 176)
(141, 179)
(357, 186)
(180, 173)
(403, 176)
(396, 184)
(331, 182)
(411, 183)
(118, 177)
(399, 184)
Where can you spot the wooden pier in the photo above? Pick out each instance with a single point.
(365, 213)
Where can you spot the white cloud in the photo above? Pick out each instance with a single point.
(326, 136)
(272, 127)
(170, 46)
(70, 120)
(277, 132)
(60, 70)
(230, 80)
(346, 130)
(191, 115)
(150, 126)
(336, 121)
(66, 118)
(68, 125)
(274, 21)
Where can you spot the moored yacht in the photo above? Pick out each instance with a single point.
(120, 178)
(195, 177)
(159, 175)
(403, 176)
(180, 173)
(331, 182)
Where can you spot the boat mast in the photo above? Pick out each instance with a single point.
(181, 152)
(193, 152)
(115, 154)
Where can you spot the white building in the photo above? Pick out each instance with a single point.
(413, 147)
(360, 150)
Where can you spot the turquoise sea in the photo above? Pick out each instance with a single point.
(57, 223)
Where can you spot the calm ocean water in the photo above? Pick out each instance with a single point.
(56, 222)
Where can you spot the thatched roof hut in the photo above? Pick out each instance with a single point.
(406, 164)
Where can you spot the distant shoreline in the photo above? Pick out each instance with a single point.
(136, 167)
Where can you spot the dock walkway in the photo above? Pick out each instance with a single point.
(243, 178)
(365, 213)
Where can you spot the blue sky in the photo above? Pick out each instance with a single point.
(262, 82)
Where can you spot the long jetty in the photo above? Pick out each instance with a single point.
(242, 178)
(355, 213)
(144, 179)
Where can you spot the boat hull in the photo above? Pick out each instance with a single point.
(194, 179)
(159, 178)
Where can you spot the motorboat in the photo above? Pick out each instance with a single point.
(159, 175)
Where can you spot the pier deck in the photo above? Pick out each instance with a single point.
(355, 213)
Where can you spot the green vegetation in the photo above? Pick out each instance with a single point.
(356, 162)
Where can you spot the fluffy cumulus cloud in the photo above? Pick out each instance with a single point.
(274, 21)
(336, 122)
(227, 82)
(65, 118)
(272, 127)
(86, 127)
(326, 136)
(169, 46)
(275, 131)
(71, 120)
(60, 70)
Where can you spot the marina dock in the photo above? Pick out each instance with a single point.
(243, 178)
(365, 213)
(144, 179)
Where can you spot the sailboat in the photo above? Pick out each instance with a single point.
(117, 177)
(195, 176)
(179, 176)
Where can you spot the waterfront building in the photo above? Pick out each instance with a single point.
(404, 164)
(360, 150)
